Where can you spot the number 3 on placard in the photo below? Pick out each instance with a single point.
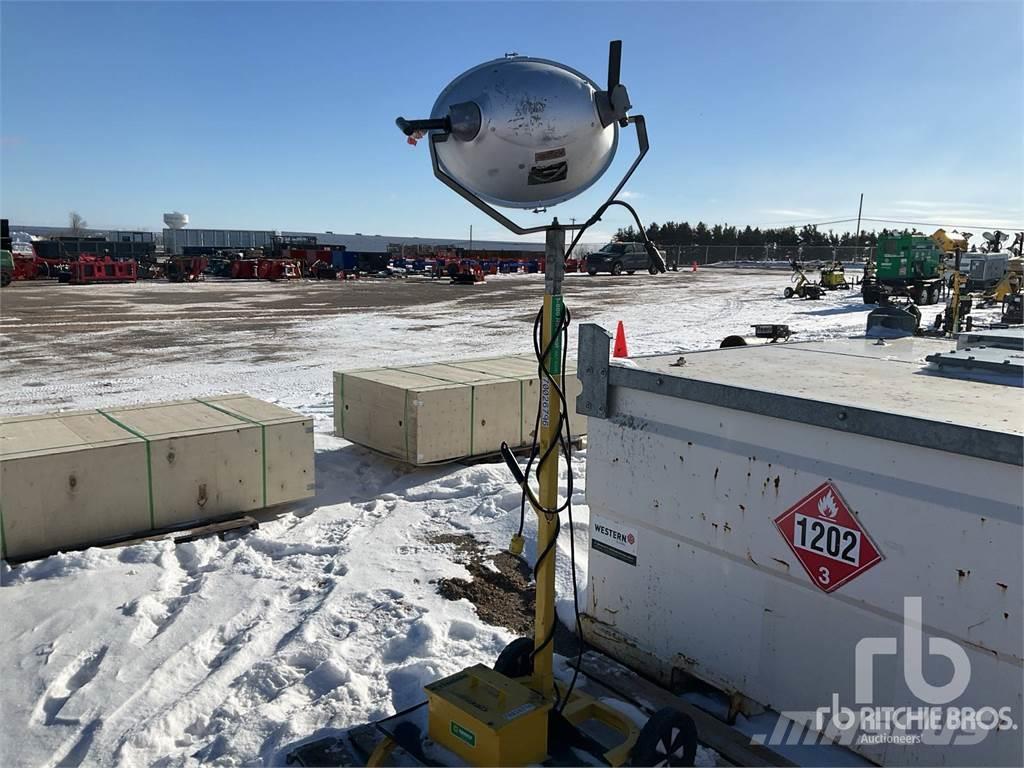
(823, 575)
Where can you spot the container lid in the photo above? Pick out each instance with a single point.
(880, 389)
(1006, 338)
(990, 364)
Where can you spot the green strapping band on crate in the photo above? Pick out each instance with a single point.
(472, 415)
(341, 392)
(263, 438)
(149, 461)
(3, 535)
(521, 383)
(405, 424)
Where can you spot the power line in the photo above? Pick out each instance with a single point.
(891, 221)
(796, 224)
(806, 223)
(940, 224)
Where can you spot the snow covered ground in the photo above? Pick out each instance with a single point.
(230, 651)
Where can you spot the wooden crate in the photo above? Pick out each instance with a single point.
(67, 480)
(424, 414)
(72, 480)
(287, 445)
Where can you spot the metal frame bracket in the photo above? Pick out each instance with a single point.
(439, 137)
(592, 362)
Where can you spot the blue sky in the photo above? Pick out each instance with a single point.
(281, 115)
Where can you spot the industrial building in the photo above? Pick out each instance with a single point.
(175, 240)
(114, 235)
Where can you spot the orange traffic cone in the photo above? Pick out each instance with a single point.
(619, 350)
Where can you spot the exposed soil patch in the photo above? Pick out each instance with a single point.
(503, 597)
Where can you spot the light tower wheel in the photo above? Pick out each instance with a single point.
(668, 738)
(516, 660)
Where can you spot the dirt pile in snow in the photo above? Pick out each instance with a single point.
(501, 587)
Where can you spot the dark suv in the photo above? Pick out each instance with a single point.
(618, 258)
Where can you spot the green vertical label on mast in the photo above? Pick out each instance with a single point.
(554, 361)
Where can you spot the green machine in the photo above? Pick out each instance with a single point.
(904, 265)
(6, 257)
(6, 268)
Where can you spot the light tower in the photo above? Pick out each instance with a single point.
(530, 133)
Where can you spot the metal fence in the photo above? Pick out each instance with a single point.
(683, 255)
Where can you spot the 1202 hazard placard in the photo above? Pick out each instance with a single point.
(827, 539)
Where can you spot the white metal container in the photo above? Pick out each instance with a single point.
(72, 480)
(984, 269)
(694, 475)
(423, 414)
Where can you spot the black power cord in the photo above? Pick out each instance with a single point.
(564, 444)
(655, 258)
(555, 382)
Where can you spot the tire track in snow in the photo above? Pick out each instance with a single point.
(75, 676)
(73, 751)
(256, 658)
(198, 674)
(180, 580)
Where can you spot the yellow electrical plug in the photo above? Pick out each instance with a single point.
(515, 547)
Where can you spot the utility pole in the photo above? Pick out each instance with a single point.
(471, 240)
(856, 241)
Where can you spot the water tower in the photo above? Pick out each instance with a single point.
(176, 220)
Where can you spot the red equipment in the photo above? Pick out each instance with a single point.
(266, 269)
(90, 269)
(32, 267)
(309, 258)
(466, 272)
(244, 269)
(185, 269)
(25, 267)
(50, 269)
(279, 269)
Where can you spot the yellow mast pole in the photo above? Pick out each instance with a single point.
(543, 680)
